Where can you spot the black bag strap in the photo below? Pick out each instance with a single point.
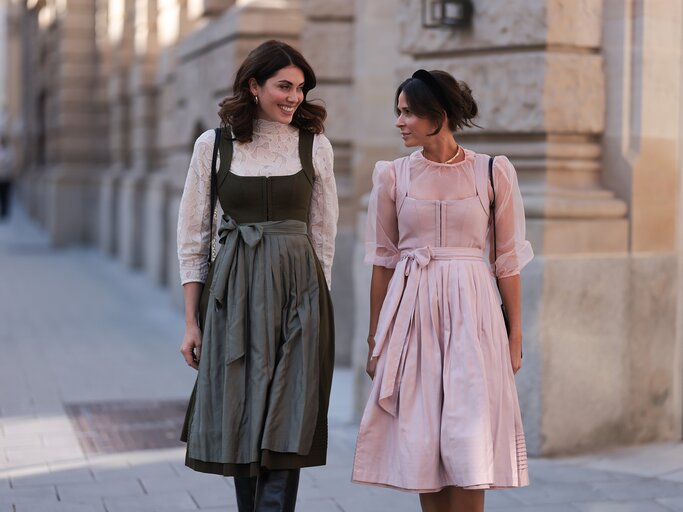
(213, 189)
(495, 253)
(493, 207)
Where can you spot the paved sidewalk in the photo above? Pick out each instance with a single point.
(77, 328)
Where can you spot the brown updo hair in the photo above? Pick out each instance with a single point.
(239, 110)
(453, 99)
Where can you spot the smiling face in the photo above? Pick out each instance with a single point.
(415, 131)
(280, 95)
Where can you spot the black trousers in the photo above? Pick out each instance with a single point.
(271, 491)
(5, 191)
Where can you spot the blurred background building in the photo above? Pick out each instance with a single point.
(102, 101)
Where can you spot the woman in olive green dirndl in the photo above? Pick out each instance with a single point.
(259, 322)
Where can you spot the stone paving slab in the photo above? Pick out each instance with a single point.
(632, 506)
(166, 502)
(54, 476)
(62, 507)
(671, 503)
(656, 461)
(675, 476)
(98, 333)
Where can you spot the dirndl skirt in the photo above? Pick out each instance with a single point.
(265, 372)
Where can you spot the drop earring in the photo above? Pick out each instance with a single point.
(255, 100)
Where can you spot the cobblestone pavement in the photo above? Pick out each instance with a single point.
(77, 328)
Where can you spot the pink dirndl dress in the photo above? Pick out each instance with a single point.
(443, 410)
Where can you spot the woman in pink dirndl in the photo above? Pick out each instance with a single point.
(443, 417)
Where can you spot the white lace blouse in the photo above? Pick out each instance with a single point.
(274, 151)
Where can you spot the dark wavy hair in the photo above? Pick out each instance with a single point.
(239, 110)
(456, 101)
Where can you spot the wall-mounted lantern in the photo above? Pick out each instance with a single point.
(447, 13)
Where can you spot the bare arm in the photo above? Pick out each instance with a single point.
(192, 340)
(378, 291)
(511, 293)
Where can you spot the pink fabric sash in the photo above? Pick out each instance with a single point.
(401, 308)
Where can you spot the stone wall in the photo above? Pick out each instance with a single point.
(329, 45)
(642, 161)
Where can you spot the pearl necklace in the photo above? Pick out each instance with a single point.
(454, 157)
(451, 159)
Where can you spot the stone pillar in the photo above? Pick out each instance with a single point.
(14, 92)
(4, 54)
(135, 233)
(643, 143)
(74, 131)
(328, 43)
(119, 39)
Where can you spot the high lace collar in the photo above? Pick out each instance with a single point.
(264, 127)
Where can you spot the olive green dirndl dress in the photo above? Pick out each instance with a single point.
(265, 372)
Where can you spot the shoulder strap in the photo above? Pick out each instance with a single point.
(213, 187)
(481, 183)
(306, 154)
(402, 175)
(226, 151)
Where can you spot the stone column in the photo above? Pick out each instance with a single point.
(14, 93)
(135, 232)
(28, 37)
(643, 143)
(74, 132)
(4, 54)
(119, 30)
(328, 43)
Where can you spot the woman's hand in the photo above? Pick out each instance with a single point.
(515, 340)
(371, 365)
(191, 347)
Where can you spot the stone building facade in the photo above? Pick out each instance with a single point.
(584, 96)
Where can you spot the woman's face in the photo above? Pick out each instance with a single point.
(280, 96)
(414, 130)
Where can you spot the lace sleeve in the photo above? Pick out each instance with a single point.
(322, 223)
(193, 216)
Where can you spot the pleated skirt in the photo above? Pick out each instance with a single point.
(454, 418)
(266, 409)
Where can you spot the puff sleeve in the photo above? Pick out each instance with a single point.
(513, 251)
(381, 234)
